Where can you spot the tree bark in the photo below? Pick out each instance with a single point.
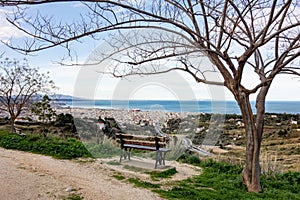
(12, 125)
(251, 171)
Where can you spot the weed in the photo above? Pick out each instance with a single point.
(113, 163)
(189, 159)
(134, 169)
(73, 197)
(104, 150)
(119, 177)
(223, 181)
(142, 184)
(52, 146)
(164, 174)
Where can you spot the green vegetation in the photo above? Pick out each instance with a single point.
(223, 181)
(52, 146)
(163, 174)
(220, 180)
(135, 169)
(142, 184)
(189, 159)
(43, 110)
(73, 197)
(113, 163)
(104, 150)
(119, 177)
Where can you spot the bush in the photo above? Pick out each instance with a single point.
(221, 180)
(52, 146)
(189, 159)
(164, 174)
(105, 150)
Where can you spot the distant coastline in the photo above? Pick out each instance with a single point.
(202, 106)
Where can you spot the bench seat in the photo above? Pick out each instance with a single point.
(134, 146)
(129, 142)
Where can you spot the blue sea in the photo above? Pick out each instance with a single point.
(229, 107)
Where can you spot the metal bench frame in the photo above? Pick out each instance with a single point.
(160, 151)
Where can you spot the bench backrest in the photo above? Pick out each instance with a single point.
(143, 140)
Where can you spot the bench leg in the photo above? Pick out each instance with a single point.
(163, 157)
(156, 159)
(125, 153)
(121, 154)
(160, 158)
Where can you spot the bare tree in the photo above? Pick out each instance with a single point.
(18, 85)
(238, 36)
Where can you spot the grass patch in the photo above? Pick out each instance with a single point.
(189, 159)
(51, 146)
(223, 181)
(105, 150)
(114, 163)
(119, 177)
(73, 197)
(143, 184)
(164, 174)
(135, 169)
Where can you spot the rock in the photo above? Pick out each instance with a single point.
(69, 189)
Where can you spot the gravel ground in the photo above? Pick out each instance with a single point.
(30, 176)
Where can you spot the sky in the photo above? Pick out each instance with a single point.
(86, 82)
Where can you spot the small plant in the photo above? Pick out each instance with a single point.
(164, 174)
(189, 159)
(113, 163)
(119, 177)
(269, 164)
(51, 146)
(221, 180)
(134, 169)
(73, 197)
(143, 184)
(104, 150)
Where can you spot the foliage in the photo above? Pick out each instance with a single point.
(104, 150)
(189, 159)
(113, 163)
(66, 121)
(223, 181)
(173, 125)
(142, 184)
(119, 177)
(52, 146)
(19, 83)
(43, 110)
(111, 127)
(164, 174)
(73, 197)
(236, 36)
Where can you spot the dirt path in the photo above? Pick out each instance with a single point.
(30, 176)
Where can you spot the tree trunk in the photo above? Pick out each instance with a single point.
(12, 125)
(251, 172)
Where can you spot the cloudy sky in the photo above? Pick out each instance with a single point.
(86, 82)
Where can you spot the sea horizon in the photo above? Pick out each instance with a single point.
(193, 106)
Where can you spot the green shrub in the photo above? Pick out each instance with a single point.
(119, 177)
(164, 174)
(189, 159)
(52, 146)
(105, 150)
(142, 184)
(224, 181)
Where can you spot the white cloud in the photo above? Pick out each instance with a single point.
(7, 30)
(78, 5)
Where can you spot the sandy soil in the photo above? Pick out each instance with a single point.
(30, 176)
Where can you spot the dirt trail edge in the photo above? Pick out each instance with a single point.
(30, 176)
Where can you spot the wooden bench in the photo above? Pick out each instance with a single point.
(148, 143)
